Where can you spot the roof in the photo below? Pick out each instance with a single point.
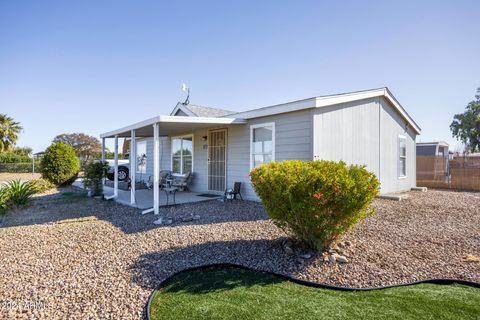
(433, 143)
(329, 100)
(170, 124)
(194, 110)
(200, 115)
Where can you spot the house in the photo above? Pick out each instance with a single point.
(220, 147)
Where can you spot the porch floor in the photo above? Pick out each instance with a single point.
(144, 197)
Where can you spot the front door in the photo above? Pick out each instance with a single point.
(217, 160)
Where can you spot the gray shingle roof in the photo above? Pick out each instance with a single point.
(201, 111)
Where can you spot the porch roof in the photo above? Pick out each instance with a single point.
(170, 125)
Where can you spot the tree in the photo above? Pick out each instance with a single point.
(9, 131)
(85, 146)
(466, 126)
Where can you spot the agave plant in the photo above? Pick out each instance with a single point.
(19, 192)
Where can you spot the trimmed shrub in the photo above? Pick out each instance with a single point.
(315, 201)
(59, 164)
(94, 173)
(41, 185)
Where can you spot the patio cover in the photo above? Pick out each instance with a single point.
(156, 127)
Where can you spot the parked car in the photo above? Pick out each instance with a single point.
(123, 170)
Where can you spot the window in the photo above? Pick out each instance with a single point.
(182, 154)
(262, 144)
(402, 156)
(141, 148)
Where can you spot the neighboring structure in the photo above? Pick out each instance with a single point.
(432, 163)
(435, 148)
(220, 147)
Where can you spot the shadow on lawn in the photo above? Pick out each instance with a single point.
(71, 205)
(266, 255)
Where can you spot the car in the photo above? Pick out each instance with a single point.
(123, 170)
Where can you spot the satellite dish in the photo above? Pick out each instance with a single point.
(187, 90)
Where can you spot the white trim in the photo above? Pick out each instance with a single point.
(325, 101)
(182, 107)
(115, 168)
(399, 156)
(262, 125)
(156, 168)
(181, 158)
(226, 154)
(173, 119)
(133, 165)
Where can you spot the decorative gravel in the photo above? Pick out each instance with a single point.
(4, 176)
(68, 257)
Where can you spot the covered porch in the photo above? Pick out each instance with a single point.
(156, 128)
(144, 197)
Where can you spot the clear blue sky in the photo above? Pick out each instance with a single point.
(93, 66)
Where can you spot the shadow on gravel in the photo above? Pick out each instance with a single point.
(71, 205)
(265, 255)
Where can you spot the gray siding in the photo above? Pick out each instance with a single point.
(293, 140)
(366, 132)
(361, 132)
(392, 125)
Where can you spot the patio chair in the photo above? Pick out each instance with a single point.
(182, 181)
(233, 192)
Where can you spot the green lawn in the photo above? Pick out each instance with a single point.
(231, 293)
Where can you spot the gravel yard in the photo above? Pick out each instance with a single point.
(5, 176)
(73, 257)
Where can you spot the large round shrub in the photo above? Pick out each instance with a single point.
(316, 201)
(60, 165)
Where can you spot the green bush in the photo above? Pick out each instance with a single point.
(14, 157)
(59, 164)
(94, 173)
(41, 185)
(4, 199)
(315, 201)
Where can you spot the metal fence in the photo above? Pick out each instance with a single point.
(461, 173)
(20, 167)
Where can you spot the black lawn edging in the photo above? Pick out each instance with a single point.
(303, 282)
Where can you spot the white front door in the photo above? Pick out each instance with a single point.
(217, 160)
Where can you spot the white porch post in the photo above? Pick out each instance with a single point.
(133, 166)
(156, 168)
(115, 168)
(103, 157)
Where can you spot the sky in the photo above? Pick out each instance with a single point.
(95, 66)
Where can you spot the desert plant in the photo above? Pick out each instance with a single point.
(19, 192)
(315, 201)
(94, 173)
(59, 164)
(41, 185)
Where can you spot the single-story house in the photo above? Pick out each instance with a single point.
(220, 147)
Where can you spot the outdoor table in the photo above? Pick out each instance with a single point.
(171, 190)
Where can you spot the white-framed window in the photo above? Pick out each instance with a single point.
(182, 154)
(141, 156)
(402, 156)
(262, 144)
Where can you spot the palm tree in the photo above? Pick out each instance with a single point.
(9, 130)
